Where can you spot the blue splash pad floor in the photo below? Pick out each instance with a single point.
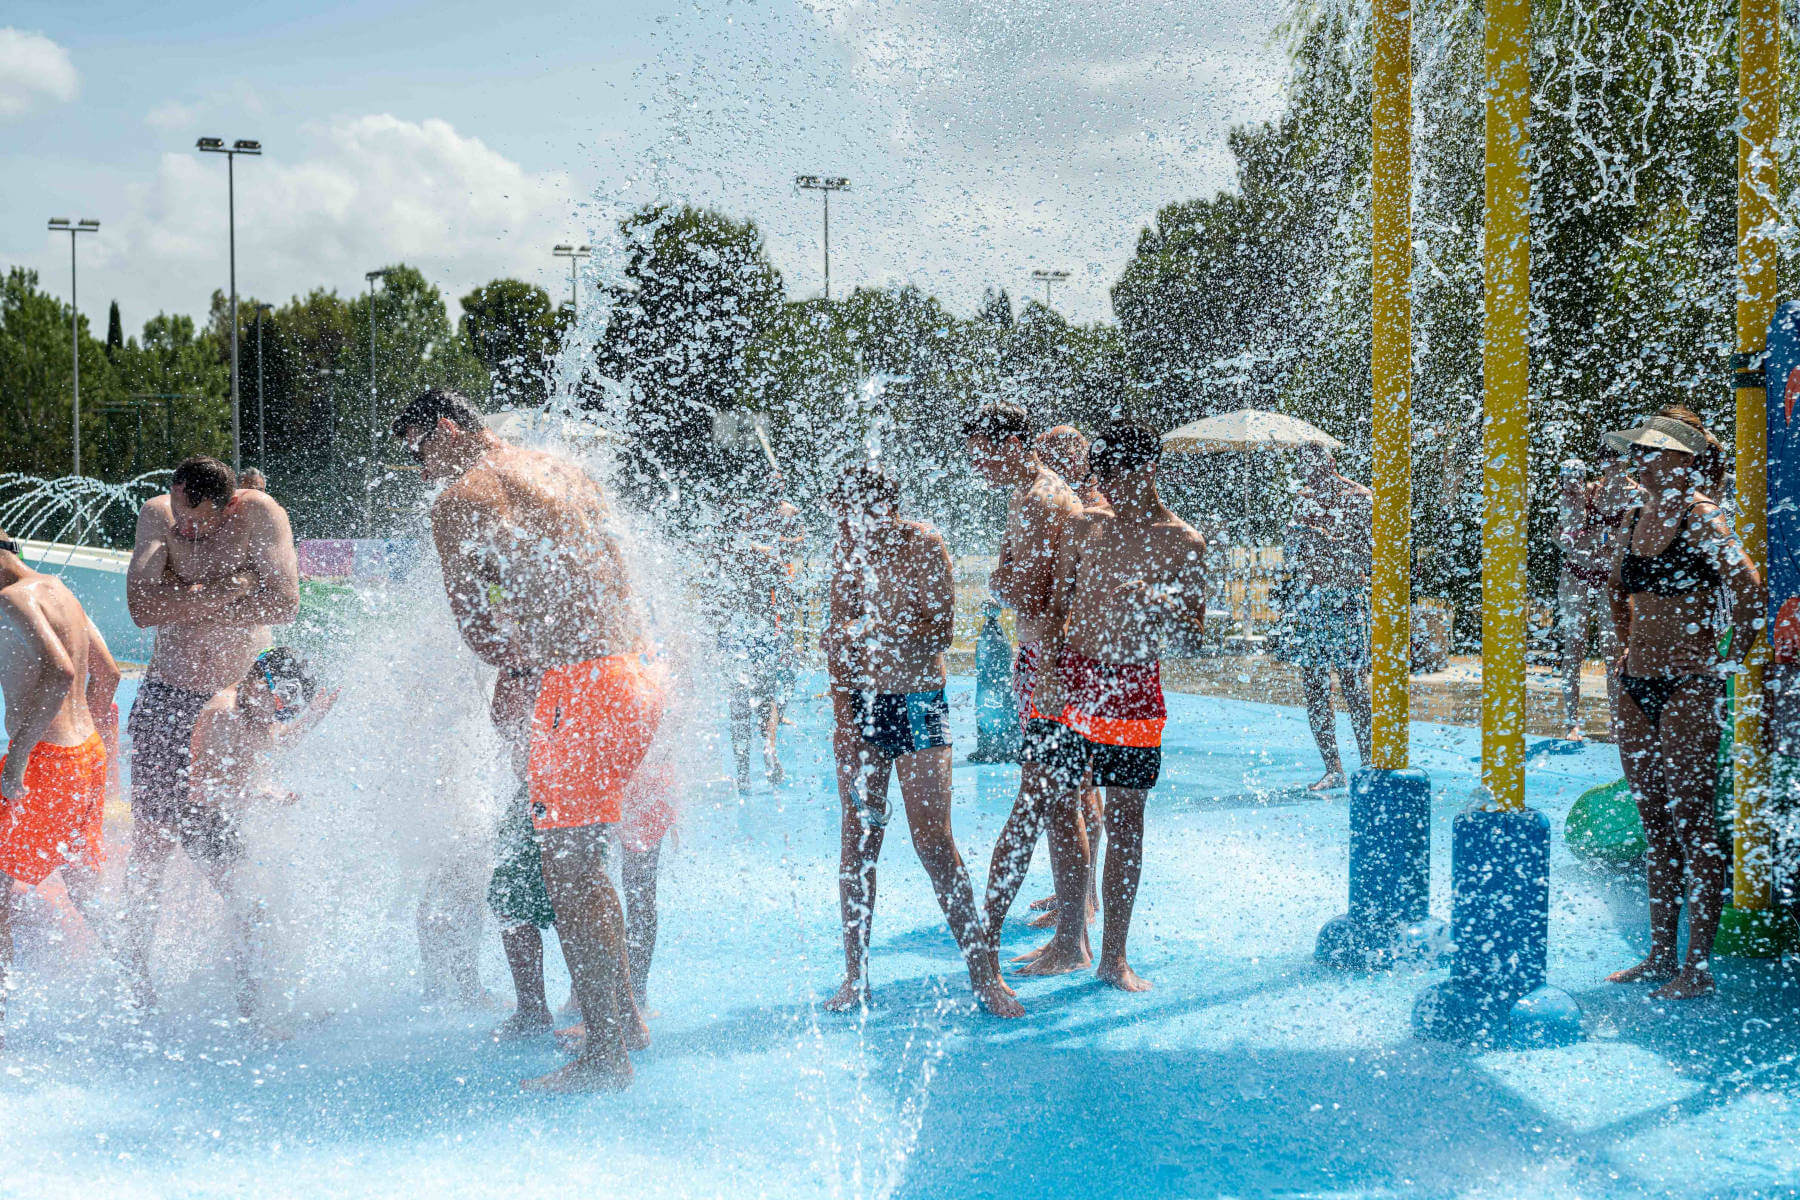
(1247, 1071)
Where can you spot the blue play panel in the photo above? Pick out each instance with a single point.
(1247, 1071)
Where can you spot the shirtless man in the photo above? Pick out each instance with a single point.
(537, 581)
(214, 567)
(891, 614)
(1328, 548)
(1127, 579)
(61, 729)
(1064, 449)
(749, 592)
(235, 740)
(1040, 506)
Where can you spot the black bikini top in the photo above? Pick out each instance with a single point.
(1679, 569)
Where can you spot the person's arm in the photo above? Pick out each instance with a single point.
(276, 597)
(1184, 599)
(456, 528)
(219, 774)
(1743, 585)
(1047, 696)
(934, 613)
(1027, 567)
(102, 685)
(156, 596)
(43, 698)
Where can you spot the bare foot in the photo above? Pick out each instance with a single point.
(851, 996)
(521, 1025)
(775, 772)
(1330, 782)
(1655, 969)
(1691, 984)
(1047, 904)
(583, 1075)
(572, 1039)
(637, 1033)
(1121, 976)
(999, 1000)
(1057, 959)
(1574, 734)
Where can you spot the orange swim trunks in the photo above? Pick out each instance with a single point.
(593, 724)
(649, 812)
(58, 821)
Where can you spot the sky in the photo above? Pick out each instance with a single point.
(983, 140)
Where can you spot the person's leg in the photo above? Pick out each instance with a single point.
(1690, 750)
(638, 875)
(1068, 949)
(1124, 867)
(1354, 679)
(1315, 682)
(8, 905)
(152, 842)
(82, 881)
(1608, 637)
(592, 930)
(1572, 605)
(768, 717)
(1013, 849)
(1639, 755)
(1090, 830)
(862, 776)
(743, 732)
(524, 947)
(925, 788)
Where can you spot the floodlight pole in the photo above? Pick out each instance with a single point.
(64, 225)
(262, 440)
(1047, 278)
(213, 145)
(824, 185)
(575, 254)
(374, 435)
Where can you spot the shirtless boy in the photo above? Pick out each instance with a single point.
(891, 614)
(1039, 507)
(214, 567)
(61, 728)
(537, 582)
(234, 744)
(1126, 580)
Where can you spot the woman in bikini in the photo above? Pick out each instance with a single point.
(1682, 568)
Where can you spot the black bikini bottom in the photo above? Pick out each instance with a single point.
(1652, 693)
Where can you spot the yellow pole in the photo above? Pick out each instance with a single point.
(1390, 371)
(1759, 87)
(1505, 368)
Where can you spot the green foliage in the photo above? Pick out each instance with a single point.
(512, 327)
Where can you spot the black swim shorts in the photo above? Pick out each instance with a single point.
(1135, 767)
(900, 723)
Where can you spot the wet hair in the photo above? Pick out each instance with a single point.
(253, 478)
(432, 403)
(996, 422)
(866, 485)
(1124, 446)
(1710, 466)
(202, 478)
(289, 676)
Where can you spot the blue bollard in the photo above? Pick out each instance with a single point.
(996, 715)
(1500, 924)
(1390, 874)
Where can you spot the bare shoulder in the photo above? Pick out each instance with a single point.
(155, 517)
(1179, 531)
(1049, 496)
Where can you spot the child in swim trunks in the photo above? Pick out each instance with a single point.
(1127, 580)
(235, 739)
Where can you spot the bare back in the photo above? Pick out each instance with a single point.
(1037, 516)
(39, 614)
(1132, 585)
(534, 570)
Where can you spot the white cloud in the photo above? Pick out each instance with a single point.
(32, 67)
(171, 116)
(365, 192)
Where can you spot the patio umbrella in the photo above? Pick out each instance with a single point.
(1246, 429)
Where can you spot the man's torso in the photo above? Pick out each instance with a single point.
(1111, 619)
(1032, 544)
(203, 656)
(888, 579)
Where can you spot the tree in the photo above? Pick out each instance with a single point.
(698, 289)
(115, 330)
(513, 328)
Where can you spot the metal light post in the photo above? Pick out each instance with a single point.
(213, 145)
(574, 254)
(64, 225)
(1047, 278)
(374, 434)
(262, 440)
(824, 185)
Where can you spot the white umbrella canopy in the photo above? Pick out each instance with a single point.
(1245, 429)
